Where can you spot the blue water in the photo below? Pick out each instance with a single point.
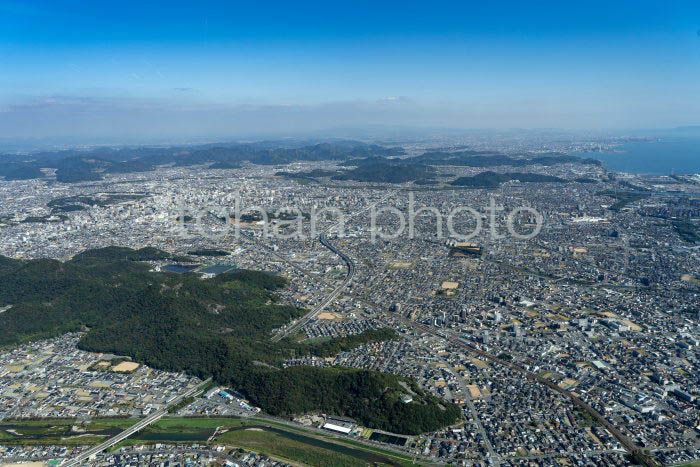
(681, 156)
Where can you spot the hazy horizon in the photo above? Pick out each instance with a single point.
(223, 70)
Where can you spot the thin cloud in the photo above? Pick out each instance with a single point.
(393, 100)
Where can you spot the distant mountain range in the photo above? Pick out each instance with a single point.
(371, 163)
(77, 166)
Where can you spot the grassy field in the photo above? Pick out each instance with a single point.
(171, 423)
(280, 447)
(104, 422)
(184, 425)
(57, 441)
(58, 432)
(398, 458)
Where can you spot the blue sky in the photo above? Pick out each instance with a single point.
(238, 68)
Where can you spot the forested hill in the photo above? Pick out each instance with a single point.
(217, 327)
(490, 179)
(387, 173)
(491, 159)
(372, 162)
(81, 165)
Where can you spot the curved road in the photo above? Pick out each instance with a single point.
(301, 322)
(628, 444)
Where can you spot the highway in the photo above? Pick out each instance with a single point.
(135, 428)
(301, 322)
(628, 444)
(351, 272)
(450, 336)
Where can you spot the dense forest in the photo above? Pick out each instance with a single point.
(309, 176)
(80, 202)
(75, 175)
(468, 158)
(219, 327)
(623, 198)
(18, 170)
(490, 179)
(486, 159)
(386, 172)
(687, 231)
(371, 170)
(22, 172)
(374, 399)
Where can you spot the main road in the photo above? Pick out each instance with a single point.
(135, 428)
(301, 322)
(456, 339)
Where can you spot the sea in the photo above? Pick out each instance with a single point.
(659, 157)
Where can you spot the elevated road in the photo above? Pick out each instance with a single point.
(77, 460)
(294, 327)
(301, 322)
(629, 445)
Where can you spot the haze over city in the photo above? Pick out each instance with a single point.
(155, 70)
(349, 234)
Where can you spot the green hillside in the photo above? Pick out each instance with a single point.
(219, 327)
